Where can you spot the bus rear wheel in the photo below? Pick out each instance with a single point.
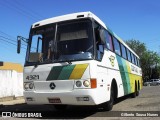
(136, 92)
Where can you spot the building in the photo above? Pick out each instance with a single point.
(11, 79)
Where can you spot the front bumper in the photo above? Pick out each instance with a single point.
(66, 97)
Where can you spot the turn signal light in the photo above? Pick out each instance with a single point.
(93, 83)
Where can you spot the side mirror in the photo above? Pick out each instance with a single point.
(18, 45)
(19, 38)
(102, 36)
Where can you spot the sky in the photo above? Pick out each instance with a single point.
(129, 19)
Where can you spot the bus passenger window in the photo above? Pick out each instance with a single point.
(135, 59)
(138, 63)
(100, 52)
(116, 46)
(100, 48)
(109, 43)
(132, 58)
(124, 55)
(129, 55)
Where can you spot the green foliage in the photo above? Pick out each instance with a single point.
(149, 60)
(138, 47)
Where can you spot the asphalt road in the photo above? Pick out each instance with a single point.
(147, 104)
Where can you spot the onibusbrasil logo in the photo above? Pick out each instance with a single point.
(22, 114)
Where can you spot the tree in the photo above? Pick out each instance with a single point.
(149, 60)
(138, 47)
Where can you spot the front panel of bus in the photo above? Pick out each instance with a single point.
(61, 65)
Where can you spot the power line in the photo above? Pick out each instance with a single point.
(10, 43)
(6, 46)
(20, 11)
(15, 41)
(11, 40)
(16, 6)
(6, 34)
(35, 13)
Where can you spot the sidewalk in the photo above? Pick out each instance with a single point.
(17, 100)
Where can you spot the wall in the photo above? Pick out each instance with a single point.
(11, 80)
(11, 83)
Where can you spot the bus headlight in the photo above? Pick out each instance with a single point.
(86, 83)
(78, 83)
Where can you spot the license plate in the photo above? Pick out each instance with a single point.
(54, 100)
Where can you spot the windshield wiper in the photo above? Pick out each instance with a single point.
(69, 62)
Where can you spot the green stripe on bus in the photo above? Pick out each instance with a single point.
(66, 72)
(123, 74)
(54, 73)
(127, 75)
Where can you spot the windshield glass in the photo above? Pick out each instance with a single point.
(40, 44)
(74, 41)
(71, 41)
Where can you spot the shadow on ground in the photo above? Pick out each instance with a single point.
(49, 112)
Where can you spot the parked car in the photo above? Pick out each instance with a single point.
(152, 82)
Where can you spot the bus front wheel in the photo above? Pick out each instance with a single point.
(109, 104)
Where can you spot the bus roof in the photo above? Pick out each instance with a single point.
(80, 15)
(72, 16)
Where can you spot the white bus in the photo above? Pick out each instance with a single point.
(75, 59)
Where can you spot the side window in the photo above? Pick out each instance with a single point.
(36, 45)
(132, 58)
(129, 55)
(109, 43)
(135, 60)
(96, 27)
(116, 46)
(99, 46)
(123, 48)
(100, 52)
(138, 62)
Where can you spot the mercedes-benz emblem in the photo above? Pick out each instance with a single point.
(52, 86)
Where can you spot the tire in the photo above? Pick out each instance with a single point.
(133, 95)
(137, 93)
(109, 104)
(60, 107)
(138, 88)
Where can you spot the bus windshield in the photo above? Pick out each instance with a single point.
(61, 42)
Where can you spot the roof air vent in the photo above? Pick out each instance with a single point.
(36, 25)
(79, 16)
